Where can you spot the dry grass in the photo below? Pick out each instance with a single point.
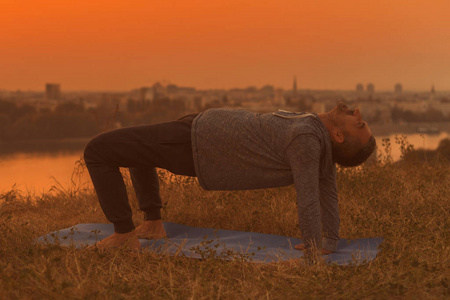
(406, 204)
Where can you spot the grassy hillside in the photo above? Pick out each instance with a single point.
(408, 204)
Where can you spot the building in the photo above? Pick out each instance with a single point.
(418, 106)
(159, 91)
(53, 91)
(398, 88)
(359, 88)
(145, 94)
(375, 112)
(370, 88)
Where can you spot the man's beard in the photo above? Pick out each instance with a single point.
(340, 110)
(343, 108)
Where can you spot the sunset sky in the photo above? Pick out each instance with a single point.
(121, 45)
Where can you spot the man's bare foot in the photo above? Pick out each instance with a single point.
(151, 230)
(127, 240)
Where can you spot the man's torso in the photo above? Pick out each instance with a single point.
(237, 149)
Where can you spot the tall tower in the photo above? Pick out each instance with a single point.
(398, 88)
(294, 87)
(432, 93)
(53, 91)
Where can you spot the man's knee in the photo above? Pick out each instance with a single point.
(92, 149)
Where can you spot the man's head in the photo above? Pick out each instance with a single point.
(351, 137)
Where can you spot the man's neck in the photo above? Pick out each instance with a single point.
(326, 120)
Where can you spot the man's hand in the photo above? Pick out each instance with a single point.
(302, 247)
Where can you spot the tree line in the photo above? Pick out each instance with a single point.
(72, 120)
(68, 120)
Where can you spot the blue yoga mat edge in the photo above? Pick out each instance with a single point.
(224, 244)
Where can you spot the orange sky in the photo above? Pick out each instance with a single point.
(120, 45)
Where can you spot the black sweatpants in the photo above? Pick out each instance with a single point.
(140, 149)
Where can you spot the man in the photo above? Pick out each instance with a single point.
(231, 150)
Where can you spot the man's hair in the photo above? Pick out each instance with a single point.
(350, 153)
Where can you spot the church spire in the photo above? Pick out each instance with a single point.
(294, 88)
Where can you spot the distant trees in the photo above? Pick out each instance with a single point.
(431, 115)
(269, 90)
(9, 109)
(161, 109)
(300, 102)
(69, 120)
(72, 120)
(69, 107)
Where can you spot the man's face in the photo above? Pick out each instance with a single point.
(351, 122)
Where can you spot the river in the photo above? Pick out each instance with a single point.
(38, 172)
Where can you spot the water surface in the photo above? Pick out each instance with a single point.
(37, 173)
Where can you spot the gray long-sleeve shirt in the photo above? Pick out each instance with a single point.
(240, 150)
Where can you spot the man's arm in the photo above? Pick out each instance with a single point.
(303, 156)
(329, 214)
(329, 211)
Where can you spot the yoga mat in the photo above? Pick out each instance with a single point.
(204, 243)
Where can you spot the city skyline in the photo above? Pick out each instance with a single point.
(327, 45)
(359, 88)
